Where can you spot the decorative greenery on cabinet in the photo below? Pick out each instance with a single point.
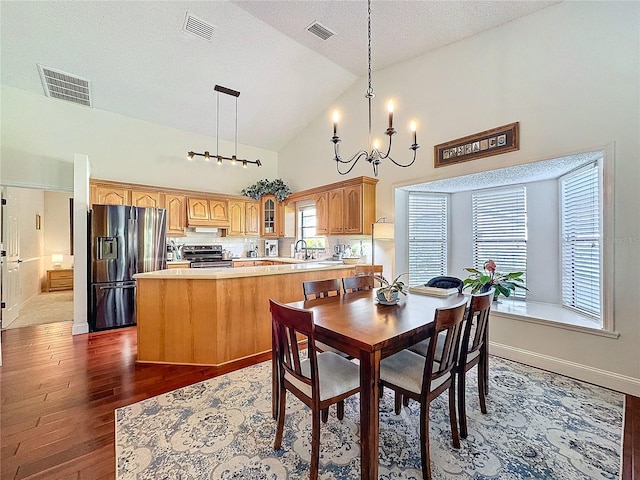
(264, 187)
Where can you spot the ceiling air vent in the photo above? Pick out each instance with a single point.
(320, 30)
(198, 27)
(65, 86)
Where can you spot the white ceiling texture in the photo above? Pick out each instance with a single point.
(142, 63)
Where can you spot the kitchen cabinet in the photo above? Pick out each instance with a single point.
(109, 195)
(322, 213)
(244, 263)
(176, 206)
(252, 219)
(205, 212)
(219, 212)
(269, 216)
(244, 219)
(351, 209)
(59, 279)
(171, 266)
(143, 198)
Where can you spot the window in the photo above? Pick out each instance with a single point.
(500, 230)
(307, 227)
(580, 229)
(427, 236)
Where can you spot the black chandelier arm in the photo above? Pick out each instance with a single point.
(408, 164)
(353, 160)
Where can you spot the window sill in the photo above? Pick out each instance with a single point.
(550, 315)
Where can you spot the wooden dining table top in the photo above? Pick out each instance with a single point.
(359, 320)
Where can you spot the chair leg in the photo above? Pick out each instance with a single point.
(425, 457)
(485, 360)
(315, 445)
(482, 386)
(405, 401)
(281, 409)
(340, 409)
(398, 403)
(462, 407)
(452, 415)
(325, 415)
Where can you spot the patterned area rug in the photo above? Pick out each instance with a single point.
(539, 426)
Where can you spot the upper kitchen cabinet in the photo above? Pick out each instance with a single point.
(219, 212)
(343, 208)
(206, 212)
(244, 218)
(176, 206)
(268, 216)
(109, 195)
(143, 198)
(322, 213)
(252, 219)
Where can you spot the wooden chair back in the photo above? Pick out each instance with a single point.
(321, 288)
(448, 326)
(289, 325)
(357, 284)
(370, 270)
(476, 323)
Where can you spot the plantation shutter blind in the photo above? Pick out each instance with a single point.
(580, 204)
(427, 236)
(500, 230)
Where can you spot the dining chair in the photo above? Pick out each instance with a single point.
(357, 284)
(445, 282)
(320, 380)
(321, 289)
(371, 270)
(473, 351)
(423, 379)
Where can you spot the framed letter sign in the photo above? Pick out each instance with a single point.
(484, 144)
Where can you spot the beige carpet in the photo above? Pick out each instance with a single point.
(46, 307)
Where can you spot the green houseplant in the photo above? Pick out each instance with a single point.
(264, 187)
(388, 292)
(503, 283)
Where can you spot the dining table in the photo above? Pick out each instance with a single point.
(357, 324)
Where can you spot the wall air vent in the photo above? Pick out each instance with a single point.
(198, 27)
(65, 86)
(320, 30)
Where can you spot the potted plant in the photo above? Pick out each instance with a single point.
(264, 187)
(388, 292)
(503, 283)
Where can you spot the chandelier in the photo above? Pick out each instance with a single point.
(375, 156)
(219, 158)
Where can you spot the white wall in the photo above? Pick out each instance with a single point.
(570, 75)
(56, 225)
(40, 136)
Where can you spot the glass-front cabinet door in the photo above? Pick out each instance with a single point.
(268, 224)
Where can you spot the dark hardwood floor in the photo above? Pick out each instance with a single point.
(59, 393)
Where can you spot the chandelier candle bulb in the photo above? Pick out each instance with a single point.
(336, 117)
(413, 130)
(390, 107)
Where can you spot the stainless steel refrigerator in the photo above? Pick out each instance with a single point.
(123, 241)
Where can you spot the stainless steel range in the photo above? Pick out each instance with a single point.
(205, 256)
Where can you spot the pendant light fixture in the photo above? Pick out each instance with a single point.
(219, 158)
(374, 156)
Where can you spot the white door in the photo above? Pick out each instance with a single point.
(11, 263)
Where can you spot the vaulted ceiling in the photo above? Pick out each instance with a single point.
(141, 62)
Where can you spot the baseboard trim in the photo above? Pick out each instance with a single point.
(603, 378)
(80, 328)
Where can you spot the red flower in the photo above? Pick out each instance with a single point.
(490, 266)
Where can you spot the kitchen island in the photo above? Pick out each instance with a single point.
(219, 316)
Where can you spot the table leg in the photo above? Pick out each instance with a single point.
(369, 420)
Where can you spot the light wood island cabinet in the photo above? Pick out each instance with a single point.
(199, 318)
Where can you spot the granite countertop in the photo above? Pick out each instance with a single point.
(237, 272)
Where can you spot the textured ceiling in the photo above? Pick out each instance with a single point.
(502, 177)
(141, 63)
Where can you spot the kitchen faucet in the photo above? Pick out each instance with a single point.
(304, 247)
